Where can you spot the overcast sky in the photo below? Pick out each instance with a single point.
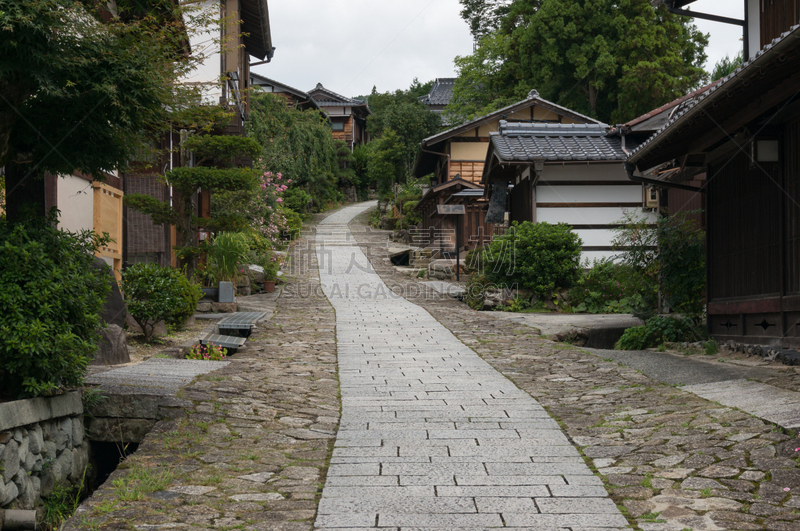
(351, 45)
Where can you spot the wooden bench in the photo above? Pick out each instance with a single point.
(240, 323)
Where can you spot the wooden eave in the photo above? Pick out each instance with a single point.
(436, 191)
(257, 34)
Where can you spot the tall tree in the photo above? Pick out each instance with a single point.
(83, 89)
(611, 59)
(484, 16)
(402, 113)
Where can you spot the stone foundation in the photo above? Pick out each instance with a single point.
(42, 444)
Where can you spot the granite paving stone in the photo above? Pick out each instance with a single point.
(452, 427)
(707, 453)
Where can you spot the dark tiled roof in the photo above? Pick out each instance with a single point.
(258, 80)
(533, 98)
(670, 105)
(693, 106)
(328, 98)
(441, 92)
(517, 142)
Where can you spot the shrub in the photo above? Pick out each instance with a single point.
(536, 256)
(294, 223)
(669, 255)
(659, 330)
(609, 287)
(476, 286)
(298, 200)
(154, 293)
(410, 216)
(50, 298)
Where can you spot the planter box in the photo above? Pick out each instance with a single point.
(210, 293)
(226, 292)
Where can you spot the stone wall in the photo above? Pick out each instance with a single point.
(41, 444)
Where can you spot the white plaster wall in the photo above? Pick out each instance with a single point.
(205, 45)
(75, 200)
(589, 194)
(586, 216)
(595, 237)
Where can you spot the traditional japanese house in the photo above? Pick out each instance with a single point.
(460, 152)
(439, 229)
(439, 96)
(294, 98)
(564, 173)
(744, 133)
(348, 117)
(224, 78)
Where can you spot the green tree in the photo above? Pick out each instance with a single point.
(298, 144)
(484, 16)
(79, 92)
(387, 163)
(726, 66)
(361, 158)
(612, 60)
(215, 170)
(402, 114)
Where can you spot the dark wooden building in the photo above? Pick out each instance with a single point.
(348, 117)
(294, 98)
(439, 231)
(744, 134)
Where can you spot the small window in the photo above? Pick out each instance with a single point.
(337, 126)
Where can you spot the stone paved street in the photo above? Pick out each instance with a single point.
(432, 437)
(672, 461)
(252, 445)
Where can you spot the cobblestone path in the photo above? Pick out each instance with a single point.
(431, 436)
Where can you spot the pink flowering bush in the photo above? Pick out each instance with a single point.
(269, 218)
(208, 352)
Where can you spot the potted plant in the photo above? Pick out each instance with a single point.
(224, 254)
(271, 264)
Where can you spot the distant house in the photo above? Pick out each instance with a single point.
(439, 96)
(459, 154)
(348, 116)
(564, 173)
(744, 134)
(294, 97)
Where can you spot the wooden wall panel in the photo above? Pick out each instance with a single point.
(777, 16)
(108, 218)
(469, 171)
(744, 229)
(791, 154)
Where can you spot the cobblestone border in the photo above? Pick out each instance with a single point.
(252, 451)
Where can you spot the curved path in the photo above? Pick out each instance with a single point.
(431, 436)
